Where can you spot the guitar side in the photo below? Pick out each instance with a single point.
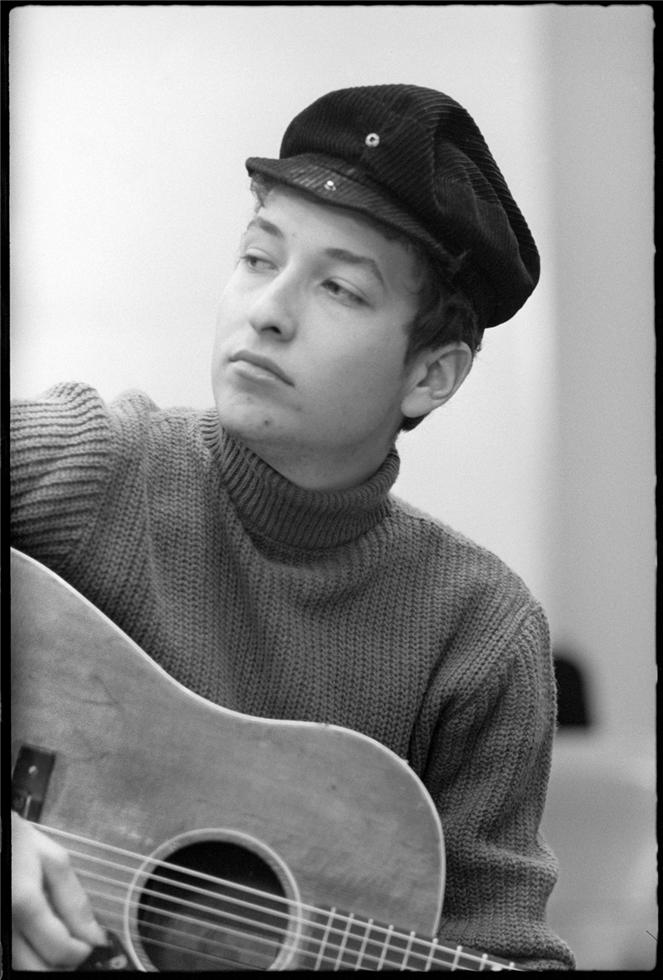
(141, 761)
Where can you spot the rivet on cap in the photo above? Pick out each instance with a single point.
(330, 185)
(372, 140)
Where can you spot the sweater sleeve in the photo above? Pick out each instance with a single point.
(487, 770)
(60, 461)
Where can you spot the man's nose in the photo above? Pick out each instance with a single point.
(275, 308)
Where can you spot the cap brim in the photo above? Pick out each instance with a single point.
(339, 184)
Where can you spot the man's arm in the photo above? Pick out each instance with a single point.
(57, 465)
(487, 770)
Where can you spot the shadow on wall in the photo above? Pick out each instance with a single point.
(600, 820)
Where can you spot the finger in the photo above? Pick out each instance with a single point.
(69, 900)
(48, 939)
(38, 924)
(51, 912)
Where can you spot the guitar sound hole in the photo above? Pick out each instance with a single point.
(188, 923)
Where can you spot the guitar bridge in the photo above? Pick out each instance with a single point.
(30, 778)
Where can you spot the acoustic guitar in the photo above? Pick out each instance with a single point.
(207, 839)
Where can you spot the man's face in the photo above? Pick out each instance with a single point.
(309, 360)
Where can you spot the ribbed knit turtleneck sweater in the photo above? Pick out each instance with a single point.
(347, 607)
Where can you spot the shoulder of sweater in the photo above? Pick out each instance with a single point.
(79, 397)
(497, 624)
(69, 414)
(138, 420)
(134, 404)
(132, 419)
(483, 571)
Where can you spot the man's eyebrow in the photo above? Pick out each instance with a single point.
(264, 225)
(344, 255)
(341, 254)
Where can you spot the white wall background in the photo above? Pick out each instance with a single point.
(129, 127)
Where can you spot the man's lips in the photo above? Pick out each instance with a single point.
(260, 361)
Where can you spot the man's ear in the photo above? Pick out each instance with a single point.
(434, 377)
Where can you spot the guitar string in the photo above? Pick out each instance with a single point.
(172, 914)
(342, 955)
(456, 963)
(207, 893)
(433, 948)
(201, 876)
(332, 960)
(337, 954)
(275, 914)
(335, 960)
(154, 929)
(336, 950)
(179, 902)
(193, 889)
(439, 949)
(277, 946)
(198, 954)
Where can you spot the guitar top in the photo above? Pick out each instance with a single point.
(208, 839)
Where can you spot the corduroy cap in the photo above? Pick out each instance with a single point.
(415, 159)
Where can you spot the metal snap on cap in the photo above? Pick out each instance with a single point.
(330, 185)
(372, 140)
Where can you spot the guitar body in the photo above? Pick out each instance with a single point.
(156, 791)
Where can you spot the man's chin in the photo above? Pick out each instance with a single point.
(249, 424)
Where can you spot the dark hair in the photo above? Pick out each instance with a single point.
(445, 314)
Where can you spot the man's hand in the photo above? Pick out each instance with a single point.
(53, 926)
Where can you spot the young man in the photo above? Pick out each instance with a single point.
(255, 551)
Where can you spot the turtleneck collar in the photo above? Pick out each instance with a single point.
(271, 506)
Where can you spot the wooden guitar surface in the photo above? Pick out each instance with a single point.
(327, 820)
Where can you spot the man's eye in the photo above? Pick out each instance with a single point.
(342, 293)
(256, 263)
